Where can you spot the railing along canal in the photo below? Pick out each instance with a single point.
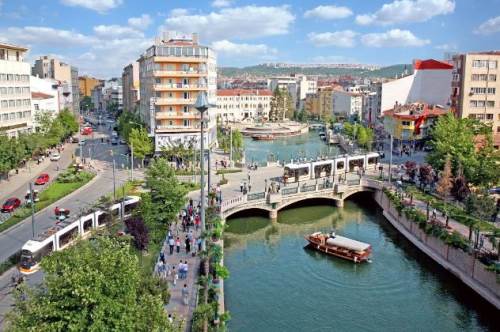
(289, 191)
(255, 196)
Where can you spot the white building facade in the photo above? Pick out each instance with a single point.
(238, 105)
(15, 95)
(347, 105)
(44, 98)
(430, 83)
(298, 87)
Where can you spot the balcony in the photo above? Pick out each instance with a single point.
(174, 115)
(182, 59)
(180, 73)
(180, 87)
(166, 128)
(175, 101)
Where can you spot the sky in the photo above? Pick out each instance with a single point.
(100, 37)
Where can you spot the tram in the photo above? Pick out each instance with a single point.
(296, 172)
(61, 236)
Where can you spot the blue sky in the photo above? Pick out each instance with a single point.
(102, 36)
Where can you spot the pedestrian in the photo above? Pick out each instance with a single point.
(199, 241)
(180, 268)
(170, 318)
(248, 176)
(175, 277)
(171, 244)
(241, 186)
(178, 245)
(188, 245)
(249, 187)
(162, 257)
(159, 266)
(186, 269)
(185, 294)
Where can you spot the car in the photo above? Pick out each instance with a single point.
(11, 204)
(82, 141)
(114, 141)
(42, 179)
(74, 139)
(122, 141)
(55, 156)
(494, 191)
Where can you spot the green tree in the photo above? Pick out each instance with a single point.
(86, 103)
(142, 144)
(457, 138)
(364, 136)
(167, 195)
(68, 121)
(126, 122)
(281, 105)
(92, 286)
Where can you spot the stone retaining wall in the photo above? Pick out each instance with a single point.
(463, 265)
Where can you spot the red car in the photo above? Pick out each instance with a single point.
(11, 204)
(42, 179)
(87, 131)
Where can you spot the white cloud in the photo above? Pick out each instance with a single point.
(46, 36)
(179, 12)
(330, 12)
(225, 47)
(407, 11)
(100, 6)
(489, 27)
(142, 22)
(345, 38)
(241, 22)
(116, 31)
(393, 38)
(221, 3)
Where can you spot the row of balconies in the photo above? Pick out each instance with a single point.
(175, 115)
(179, 87)
(179, 73)
(175, 101)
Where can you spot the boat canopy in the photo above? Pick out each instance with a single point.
(344, 242)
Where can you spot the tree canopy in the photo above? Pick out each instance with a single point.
(468, 143)
(141, 142)
(281, 105)
(94, 285)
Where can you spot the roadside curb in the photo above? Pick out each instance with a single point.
(96, 177)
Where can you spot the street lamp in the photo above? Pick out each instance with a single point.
(202, 106)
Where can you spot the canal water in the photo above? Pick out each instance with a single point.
(276, 284)
(308, 145)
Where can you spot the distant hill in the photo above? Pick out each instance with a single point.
(263, 70)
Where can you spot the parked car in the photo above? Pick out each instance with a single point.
(74, 140)
(55, 156)
(42, 179)
(11, 204)
(122, 141)
(82, 141)
(114, 141)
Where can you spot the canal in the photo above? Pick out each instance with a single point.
(277, 284)
(304, 146)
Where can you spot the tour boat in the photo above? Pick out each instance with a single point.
(340, 246)
(262, 137)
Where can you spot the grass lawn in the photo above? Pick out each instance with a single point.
(54, 192)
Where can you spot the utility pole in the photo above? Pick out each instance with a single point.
(231, 147)
(209, 177)
(114, 179)
(32, 198)
(131, 161)
(390, 158)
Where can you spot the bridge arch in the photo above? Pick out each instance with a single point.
(304, 199)
(261, 209)
(360, 190)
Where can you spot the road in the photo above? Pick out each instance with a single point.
(14, 238)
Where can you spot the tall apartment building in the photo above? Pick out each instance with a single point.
(49, 67)
(86, 84)
(112, 93)
(172, 72)
(15, 95)
(130, 83)
(476, 80)
(238, 105)
(298, 87)
(347, 105)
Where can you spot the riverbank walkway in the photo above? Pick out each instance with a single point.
(180, 312)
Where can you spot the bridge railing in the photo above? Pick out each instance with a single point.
(304, 189)
(230, 203)
(255, 196)
(289, 191)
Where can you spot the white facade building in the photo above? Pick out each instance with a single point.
(298, 87)
(237, 105)
(44, 98)
(347, 105)
(15, 95)
(430, 83)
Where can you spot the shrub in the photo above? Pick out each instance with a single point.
(139, 231)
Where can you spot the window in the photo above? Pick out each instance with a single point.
(478, 91)
(406, 123)
(492, 64)
(492, 77)
(489, 116)
(37, 108)
(2, 54)
(490, 103)
(498, 129)
(185, 109)
(491, 91)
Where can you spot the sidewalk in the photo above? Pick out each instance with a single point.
(17, 182)
(180, 312)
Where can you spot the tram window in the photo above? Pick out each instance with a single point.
(340, 165)
(44, 251)
(372, 160)
(129, 207)
(87, 225)
(103, 219)
(68, 236)
(115, 212)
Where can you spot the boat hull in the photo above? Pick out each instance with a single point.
(338, 252)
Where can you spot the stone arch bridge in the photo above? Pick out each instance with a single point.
(272, 203)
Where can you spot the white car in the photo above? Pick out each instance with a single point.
(55, 156)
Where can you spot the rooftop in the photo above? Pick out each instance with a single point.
(415, 111)
(40, 95)
(431, 64)
(13, 47)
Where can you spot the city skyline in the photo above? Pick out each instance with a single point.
(384, 32)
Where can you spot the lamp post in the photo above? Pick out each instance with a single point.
(32, 198)
(202, 106)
